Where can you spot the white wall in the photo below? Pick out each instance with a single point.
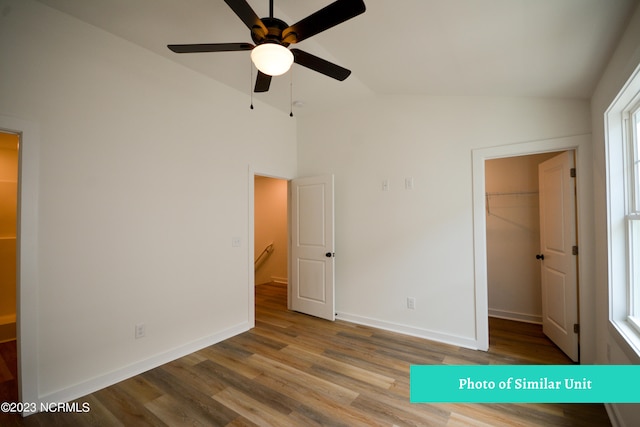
(611, 347)
(143, 184)
(400, 243)
(513, 237)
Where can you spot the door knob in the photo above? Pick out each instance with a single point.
(329, 254)
(540, 257)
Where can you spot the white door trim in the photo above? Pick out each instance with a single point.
(27, 245)
(582, 146)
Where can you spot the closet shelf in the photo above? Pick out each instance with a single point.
(488, 196)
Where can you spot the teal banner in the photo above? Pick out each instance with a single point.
(525, 384)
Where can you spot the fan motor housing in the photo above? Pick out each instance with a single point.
(275, 27)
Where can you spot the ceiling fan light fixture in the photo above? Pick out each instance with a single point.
(272, 59)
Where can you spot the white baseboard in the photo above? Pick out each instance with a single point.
(512, 315)
(410, 330)
(281, 280)
(106, 380)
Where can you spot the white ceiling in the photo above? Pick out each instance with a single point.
(537, 48)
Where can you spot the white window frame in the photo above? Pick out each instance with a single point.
(623, 210)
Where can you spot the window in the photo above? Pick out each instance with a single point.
(632, 124)
(622, 132)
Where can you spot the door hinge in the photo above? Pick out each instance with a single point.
(574, 250)
(572, 172)
(576, 328)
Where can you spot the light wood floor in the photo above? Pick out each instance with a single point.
(295, 370)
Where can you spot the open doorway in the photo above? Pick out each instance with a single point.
(303, 207)
(9, 164)
(522, 286)
(580, 145)
(513, 237)
(271, 232)
(27, 244)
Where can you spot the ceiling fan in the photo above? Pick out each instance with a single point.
(272, 37)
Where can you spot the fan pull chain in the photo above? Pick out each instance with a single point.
(291, 94)
(251, 82)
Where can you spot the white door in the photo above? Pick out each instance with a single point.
(559, 271)
(312, 247)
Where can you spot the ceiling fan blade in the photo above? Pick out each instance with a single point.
(330, 16)
(320, 65)
(246, 14)
(209, 47)
(262, 82)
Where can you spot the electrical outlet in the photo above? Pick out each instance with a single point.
(235, 242)
(411, 303)
(141, 330)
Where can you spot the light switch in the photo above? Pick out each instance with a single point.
(408, 183)
(385, 185)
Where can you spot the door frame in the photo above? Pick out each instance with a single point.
(27, 254)
(581, 144)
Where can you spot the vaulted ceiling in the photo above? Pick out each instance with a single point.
(532, 48)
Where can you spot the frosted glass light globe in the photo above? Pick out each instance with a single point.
(272, 59)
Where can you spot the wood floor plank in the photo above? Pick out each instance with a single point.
(125, 407)
(139, 387)
(334, 411)
(229, 378)
(400, 412)
(99, 415)
(193, 403)
(193, 376)
(231, 361)
(301, 379)
(5, 372)
(488, 415)
(172, 412)
(251, 409)
(461, 420)
(366, 376)
(370, 361)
